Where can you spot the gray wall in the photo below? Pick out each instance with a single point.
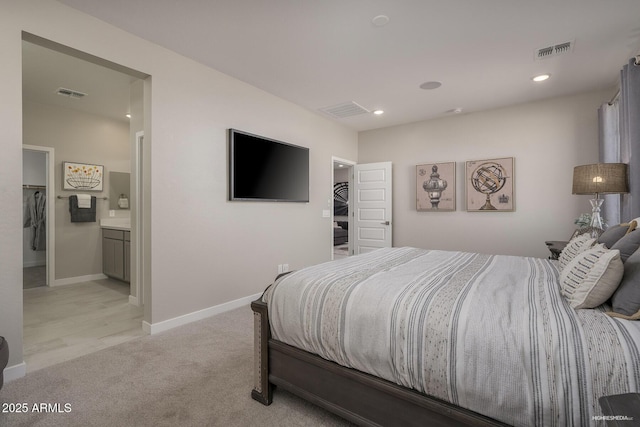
(546, 138)
(204, 251)
(341, 175)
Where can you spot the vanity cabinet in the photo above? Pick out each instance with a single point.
(116, 246)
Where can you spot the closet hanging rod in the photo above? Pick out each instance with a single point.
(33, 187)
(99, 198)
(615, 97)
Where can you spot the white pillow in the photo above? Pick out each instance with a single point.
(574, 247)
(592, 277)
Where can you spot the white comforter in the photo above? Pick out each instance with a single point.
(488, 333)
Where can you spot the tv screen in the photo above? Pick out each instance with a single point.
(263, 169)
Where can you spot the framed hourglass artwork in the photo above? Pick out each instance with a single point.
(436, 187)
(489, 185)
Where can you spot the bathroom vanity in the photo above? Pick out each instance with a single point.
(116, 252)
(116, 230)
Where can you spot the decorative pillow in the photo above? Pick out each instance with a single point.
(574, 247)
(612, 234)
(625, 301)
(592, 277)
(628, 244)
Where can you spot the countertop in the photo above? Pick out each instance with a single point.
(116, 223)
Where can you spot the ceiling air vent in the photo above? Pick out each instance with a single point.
(554, 50)
(346, 109)
(70, 93)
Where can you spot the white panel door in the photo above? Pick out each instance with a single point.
(372, 207)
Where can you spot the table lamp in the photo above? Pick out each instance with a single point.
(599, 178)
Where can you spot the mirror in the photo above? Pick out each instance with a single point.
(119, 197)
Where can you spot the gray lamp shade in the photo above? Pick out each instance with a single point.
(600, 178)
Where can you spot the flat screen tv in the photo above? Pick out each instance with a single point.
(263, 169)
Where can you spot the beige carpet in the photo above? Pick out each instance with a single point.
(199, 374)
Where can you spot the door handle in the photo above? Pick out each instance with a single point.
(385, 223)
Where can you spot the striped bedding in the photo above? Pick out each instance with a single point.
(490, 333)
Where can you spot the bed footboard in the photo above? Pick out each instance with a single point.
(353, 395)
(262, 388)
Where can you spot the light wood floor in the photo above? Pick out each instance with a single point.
(341, 251)
(66, 322)
(32, 277)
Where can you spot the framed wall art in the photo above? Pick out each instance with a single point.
(82, 176)
(436, 187)
(489, 185)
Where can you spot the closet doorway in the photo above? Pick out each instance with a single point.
(38, 253)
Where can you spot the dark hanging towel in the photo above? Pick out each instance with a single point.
(82, 214)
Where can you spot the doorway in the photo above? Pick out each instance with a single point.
(367, 191)
(341, 215)
(38, 255)
(97, 124)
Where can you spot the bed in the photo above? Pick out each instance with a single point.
(408, 336)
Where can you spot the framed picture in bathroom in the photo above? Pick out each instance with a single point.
(82, 176)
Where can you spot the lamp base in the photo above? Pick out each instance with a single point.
(596, 219)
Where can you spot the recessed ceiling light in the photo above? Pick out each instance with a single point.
(541, 77)
(128, 116)
(378, 112)
(380, 20)
(430, 85)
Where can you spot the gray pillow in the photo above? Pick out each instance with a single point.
(612, 234)
(628, 245)
(626, 299)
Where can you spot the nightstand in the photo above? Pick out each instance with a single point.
(621, 409)
(555, 247)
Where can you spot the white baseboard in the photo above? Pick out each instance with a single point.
(133, 300)
(14, 372)
(165, 325)
(78, 279)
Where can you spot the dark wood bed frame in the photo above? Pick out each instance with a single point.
(358, 397)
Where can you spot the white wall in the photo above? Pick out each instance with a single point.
(546, 138)
(341, 175)
(205, 251)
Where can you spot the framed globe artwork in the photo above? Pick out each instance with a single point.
(489, 185)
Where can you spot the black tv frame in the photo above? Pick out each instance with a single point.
(232, 172)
